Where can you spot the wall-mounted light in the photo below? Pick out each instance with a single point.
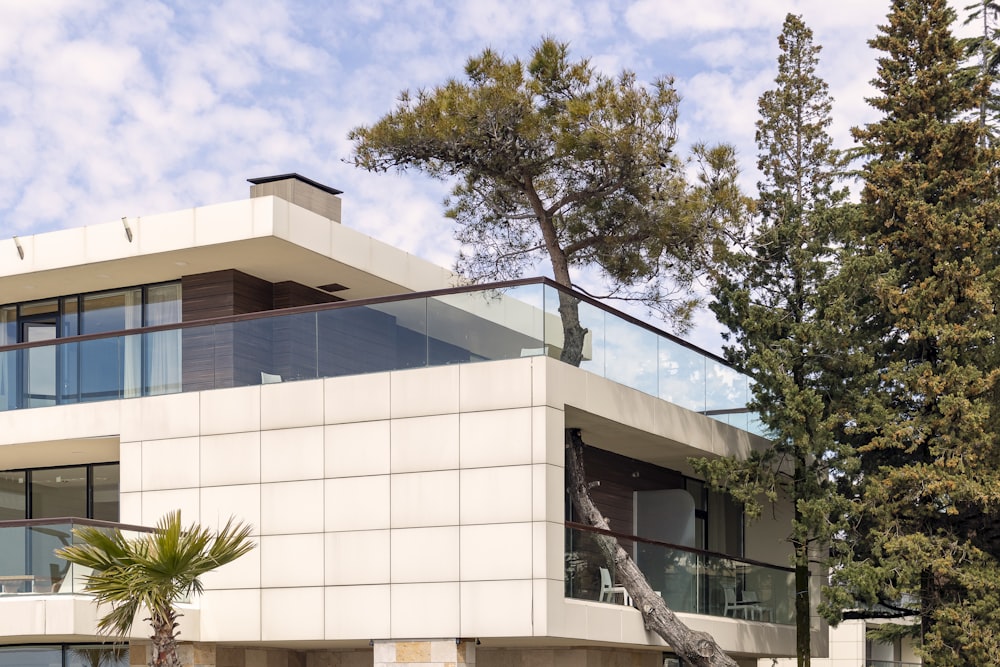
(20, 250)
(128, 230)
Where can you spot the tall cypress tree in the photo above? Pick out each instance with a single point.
(771, 299)
(925, 530)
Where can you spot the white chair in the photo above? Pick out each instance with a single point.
(733, 607)
(269, 378)
(747, 608)
(751, 603)
(609, 591)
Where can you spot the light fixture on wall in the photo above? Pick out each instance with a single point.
(20, 250)
(128, 230)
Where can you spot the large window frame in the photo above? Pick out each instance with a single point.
(31, 511)
(54, 375)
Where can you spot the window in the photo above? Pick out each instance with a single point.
(121, 367)
(85, 491)
(66, 655)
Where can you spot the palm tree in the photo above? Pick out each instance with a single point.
(152, 571)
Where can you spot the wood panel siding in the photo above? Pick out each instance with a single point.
(229, 355)
(357, 340)
(289, 294)
(619, 477)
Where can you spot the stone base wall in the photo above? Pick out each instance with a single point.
(418, 653)
(425, 653)
(567, 657)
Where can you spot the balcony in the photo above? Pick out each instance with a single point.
(689, 580)
(28, 564)
(464, 325)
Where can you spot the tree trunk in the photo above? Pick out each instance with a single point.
(803, 618)
(574, 333)
(164, 641)
(803, 629)
(697, 649)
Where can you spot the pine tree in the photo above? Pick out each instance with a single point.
(924, 538)
(771, 299)
(555, 160)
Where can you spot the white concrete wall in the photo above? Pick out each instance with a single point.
(421, 503)
(411, 504)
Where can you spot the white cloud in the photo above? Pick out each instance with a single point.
(133, 107)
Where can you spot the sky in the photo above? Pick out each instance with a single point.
(112, 108)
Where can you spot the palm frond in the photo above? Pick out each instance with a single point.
(151, 571)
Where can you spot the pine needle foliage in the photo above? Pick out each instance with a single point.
(772, 295)
(923, 538)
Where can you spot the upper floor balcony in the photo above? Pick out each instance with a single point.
(463, 325)
(28, 562)
(689, 580)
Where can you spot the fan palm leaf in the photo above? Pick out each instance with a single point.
(152, 571)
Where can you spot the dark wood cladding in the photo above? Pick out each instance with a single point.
(221, 357)
(224, 293)
(290, 294)
(350, 341)
(619, 477)
(362, 340)
(225, 355)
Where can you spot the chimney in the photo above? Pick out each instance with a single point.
(300, 191)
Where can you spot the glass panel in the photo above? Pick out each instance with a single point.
(727, 395)
(68, 357)
(112, 311)
(101, 368)
(70, 321)
(456, 328)
(399, 331)
(631, 355)
(486, 325)
(162, 361)
(28, 563)
(289, 353)
(104, 492)
(682, 375)
(110, 368)
(162, 350)
(14, 576)
(48, 572)
(8, 325)
(87, 655)
(39, 364)
(689, 581)
(59, 492)
(31, 656)
(8, 360)
(591, 318)
(13, 498)
(163, 304)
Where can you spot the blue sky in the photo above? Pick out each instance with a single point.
(112, 108)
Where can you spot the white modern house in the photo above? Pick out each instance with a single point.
(396, 439)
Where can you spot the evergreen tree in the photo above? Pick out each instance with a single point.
(771, 299)
(924, 530)
(555, 160)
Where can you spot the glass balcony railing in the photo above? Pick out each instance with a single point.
(28, 564)
(688, 580)
(501, 321)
